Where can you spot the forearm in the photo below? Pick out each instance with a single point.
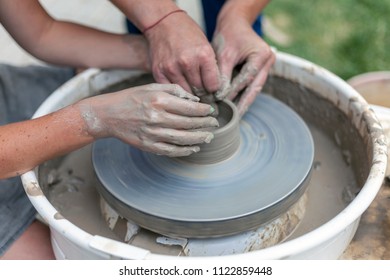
(78, 46)
(238, 11)
(146, 12)
(27, 144)
(67, 43)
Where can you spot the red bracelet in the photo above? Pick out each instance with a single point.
(161, 19)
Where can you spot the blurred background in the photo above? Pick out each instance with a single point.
(347, 37)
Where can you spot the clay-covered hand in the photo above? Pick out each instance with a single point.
(237, 44)
(181, 54)
(163, 119)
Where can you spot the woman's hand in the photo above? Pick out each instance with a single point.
(159, 118)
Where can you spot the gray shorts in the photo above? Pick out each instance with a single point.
(22, 90)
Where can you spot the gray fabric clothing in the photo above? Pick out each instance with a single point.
(22, 90)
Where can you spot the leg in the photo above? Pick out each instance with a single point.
(22, 90)
(33, 244)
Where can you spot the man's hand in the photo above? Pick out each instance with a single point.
(236, 43)
(181, 54)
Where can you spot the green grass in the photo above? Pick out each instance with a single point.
(348, 37)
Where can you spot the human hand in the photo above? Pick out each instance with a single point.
(163, 119)
(181, 54)
(236, 44)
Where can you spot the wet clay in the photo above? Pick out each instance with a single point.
(226, 138)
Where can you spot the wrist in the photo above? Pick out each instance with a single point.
(165, 25)
(145, 13)
(227, 27)
(162, 18)
(91, 124)
(138, 52)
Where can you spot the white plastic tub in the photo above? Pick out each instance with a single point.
(327, 241)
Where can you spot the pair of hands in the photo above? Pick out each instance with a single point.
(185, 57)
(166, 118)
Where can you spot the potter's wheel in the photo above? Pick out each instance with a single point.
(262, 179)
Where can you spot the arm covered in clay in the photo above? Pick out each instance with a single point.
(162, 119)
(235, 43)
(180, 52)
(66, 43)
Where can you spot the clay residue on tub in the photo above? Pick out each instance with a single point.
(58, 216)
(330, 119)
(311, 69)
(375, 130)
(33, 189)
(68, 183)
(371, 240)
(332, 184)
